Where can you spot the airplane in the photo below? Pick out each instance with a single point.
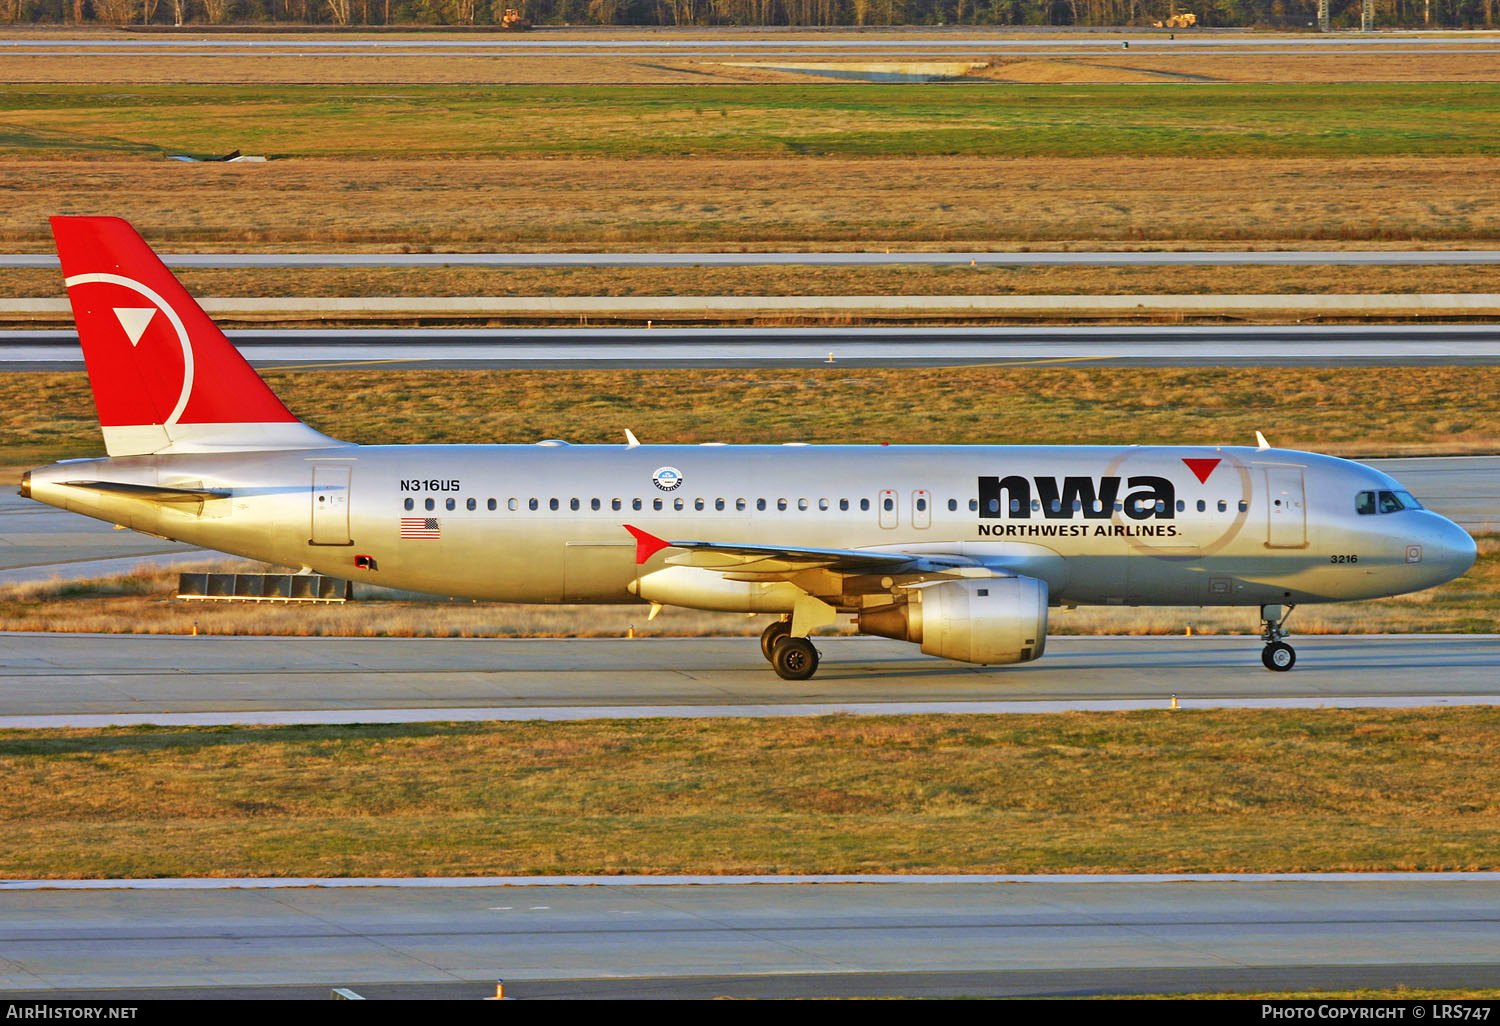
(959, 549)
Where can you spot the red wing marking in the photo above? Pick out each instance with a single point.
(646, 544)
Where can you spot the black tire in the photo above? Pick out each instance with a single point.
(794, 659)
(1280, 657)
(772, 634)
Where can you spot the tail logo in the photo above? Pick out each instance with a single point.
(135, 320)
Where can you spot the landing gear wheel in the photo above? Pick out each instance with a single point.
(1279, 656)
(794, 659)
(772, 634)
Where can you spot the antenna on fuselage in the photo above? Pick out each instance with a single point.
(1261, 445)
(630, 440)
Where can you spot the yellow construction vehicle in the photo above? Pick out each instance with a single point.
(1177, 21)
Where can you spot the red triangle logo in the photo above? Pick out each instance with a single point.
(1202, 468)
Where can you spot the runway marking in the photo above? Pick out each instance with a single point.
(448, 882)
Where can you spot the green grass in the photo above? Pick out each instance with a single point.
(1212, 791)
(977, 119)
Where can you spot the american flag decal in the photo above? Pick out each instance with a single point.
(420, 527)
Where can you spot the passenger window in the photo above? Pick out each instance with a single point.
(451, 504)
(1161, 506)
(635, 504)
(492, 505)
(552, 504)
(994, 505)
(656, 505)
(573, 504)
(952, 505)
(410, 503)
(1389, 503)
(802, 504)
(594, 505)
(1119, 507)
(823, 504)
(698, 505)
(1202, 506)
(889, 504)
(864, 505)
(677, 505)
(921, 505)
(1244, 506)
(1077, 505)
(430, 504)
(1036, 505)
(973, 505)
(511, 504)
(719, 505)
(1056, 505)
(471, 505)
(1015, 505)
(531, 504)
(614, 504)
(760, 504)
(781, 504)
(1181, 506)
(1223, 506)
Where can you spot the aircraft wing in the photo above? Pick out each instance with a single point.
(734, 559)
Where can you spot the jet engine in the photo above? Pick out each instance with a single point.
(995, 620)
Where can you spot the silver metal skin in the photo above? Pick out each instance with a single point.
(338, 510)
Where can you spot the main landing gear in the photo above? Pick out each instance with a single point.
(1277, 655)
(791, 658)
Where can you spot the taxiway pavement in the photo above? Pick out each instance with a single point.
(93, 680)
(951, 938)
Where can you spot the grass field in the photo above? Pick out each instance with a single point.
(1348, 411)
(1220, 791)
(910, 280)
(976, 120)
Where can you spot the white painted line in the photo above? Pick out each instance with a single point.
(442, 882)
(279, 717)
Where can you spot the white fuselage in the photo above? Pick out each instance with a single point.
(544, 523)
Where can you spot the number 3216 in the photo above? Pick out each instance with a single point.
(1343, 559)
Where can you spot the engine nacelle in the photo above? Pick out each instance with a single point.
(993, 621)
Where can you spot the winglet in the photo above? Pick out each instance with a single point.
(646, 545)
(1260, 441)
(630, 440)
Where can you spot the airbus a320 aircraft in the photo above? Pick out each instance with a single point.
(960, 549)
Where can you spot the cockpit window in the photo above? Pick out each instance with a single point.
(1366, 503)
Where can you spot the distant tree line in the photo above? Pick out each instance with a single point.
(1222, 13)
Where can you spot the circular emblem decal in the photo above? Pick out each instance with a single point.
(667, 478)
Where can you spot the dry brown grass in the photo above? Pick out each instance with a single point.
(1213, 791)
(1344, 411)
(911, 280)
(759, 204)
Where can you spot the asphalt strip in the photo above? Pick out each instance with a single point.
(325, 717)
(435, 882)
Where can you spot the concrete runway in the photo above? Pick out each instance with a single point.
(90, 680)
(770, 940)
(1110, 346)
(1211, 258)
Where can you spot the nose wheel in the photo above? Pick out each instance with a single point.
(1277, 655)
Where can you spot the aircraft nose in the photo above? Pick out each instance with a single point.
(1448, 549)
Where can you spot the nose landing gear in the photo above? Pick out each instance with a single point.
(1277, 655)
